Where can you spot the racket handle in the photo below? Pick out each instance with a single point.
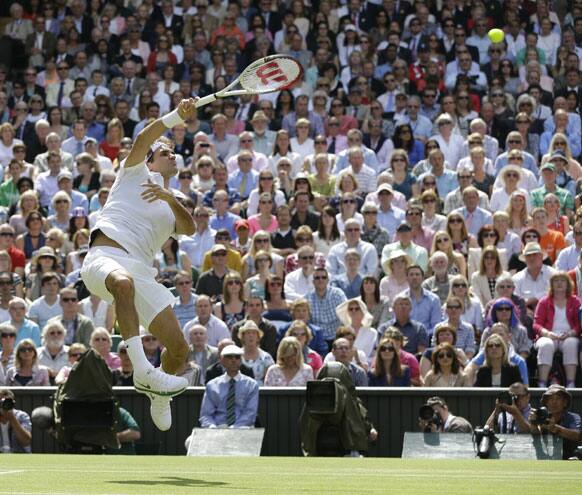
(205, 100)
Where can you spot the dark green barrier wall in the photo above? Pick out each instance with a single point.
(393, 411)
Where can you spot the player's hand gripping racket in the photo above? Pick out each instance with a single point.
(268, 74)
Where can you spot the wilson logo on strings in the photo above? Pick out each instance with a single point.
(271, 72)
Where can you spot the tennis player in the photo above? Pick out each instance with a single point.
(140, 215)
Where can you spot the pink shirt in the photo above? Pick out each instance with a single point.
(255, 226)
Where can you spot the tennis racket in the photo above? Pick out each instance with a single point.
(266, 75)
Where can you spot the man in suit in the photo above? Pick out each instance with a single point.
(40, 45)
(83, 23)
(475, 216)
(232, 399)
(460, 42)
(343, 352)
(171, 21)
(56, 92)
(79, 328)
(448, 423)
(18, 28)
(200, 352)
(132, 84)
(272, 18)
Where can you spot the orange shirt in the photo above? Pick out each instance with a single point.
(552, 243)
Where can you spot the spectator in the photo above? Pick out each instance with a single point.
(290, 369)
(101, 343)
(16, 431)
(26, 371)
(388, 371)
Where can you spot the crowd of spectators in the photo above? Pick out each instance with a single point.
(410, 209)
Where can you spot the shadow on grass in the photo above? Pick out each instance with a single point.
(172, 481)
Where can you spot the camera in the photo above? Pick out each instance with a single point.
(205, 145)
(427, 413)
(484, 438)
(7, 404)
(506, 398)
(542, 416)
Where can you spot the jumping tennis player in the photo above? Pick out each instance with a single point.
(140, 215)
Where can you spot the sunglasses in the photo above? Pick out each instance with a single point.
(493, 346)
(444, 355)
(504, 308)
(320, 277)
(8, 335)
(306, 258)
(456, 220)
(459, 286)
(454, 306)
(78, 354)
(385, 348)
(348, 201)
(276, 284)
(354, 309)
(26, 349)
(69, 299)
(233, 282)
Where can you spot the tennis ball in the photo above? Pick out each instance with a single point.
(496, 35)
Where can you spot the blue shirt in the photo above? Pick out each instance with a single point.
(185, 312)
(317, 343)
(323, 310)
(233, 197)
(413, 331)
(391, 219)
(465, 337)
(370, 159)
(568, 258)
(426, 310)
(236, 179)
(479, 218)
(28, 330)
(529, 162)
(213, 410)
(422, 126)
(225, 222)
(446, 182)
(350, 288)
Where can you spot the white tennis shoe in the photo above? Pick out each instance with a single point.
(156, 382)
(161, 411)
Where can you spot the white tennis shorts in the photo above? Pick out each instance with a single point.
(150, 296)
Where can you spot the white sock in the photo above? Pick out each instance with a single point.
(137, 355)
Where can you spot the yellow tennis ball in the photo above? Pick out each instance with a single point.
(496, 35)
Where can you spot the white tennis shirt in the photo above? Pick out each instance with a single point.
(140, 227)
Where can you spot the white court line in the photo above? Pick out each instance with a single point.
(573, 476)
(2, 473)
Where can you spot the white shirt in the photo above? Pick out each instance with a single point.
(527, 287)
(197, 245)
(215, 328)
(297, 284)
(41, 312)
(140, 227)
(366, 342)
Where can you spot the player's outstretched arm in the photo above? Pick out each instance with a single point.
(153, 131)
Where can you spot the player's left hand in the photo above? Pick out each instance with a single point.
(154, 191)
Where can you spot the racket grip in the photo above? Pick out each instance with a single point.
(205, 100)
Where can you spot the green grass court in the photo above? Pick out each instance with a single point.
(109, 475)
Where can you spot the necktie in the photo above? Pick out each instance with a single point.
(128, 89)
(469, 220)
(79, 147)
(95, 91)
(243, 186)
(390, 103)
(331, 147)
(61, 93)
(413, 47)
(230, 403)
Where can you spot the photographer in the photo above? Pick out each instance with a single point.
(442, 420)
(15, 426)
(512, 408)
(555, 418)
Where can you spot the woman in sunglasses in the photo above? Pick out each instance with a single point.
(387, 370)
(26, 371)
(446, 369)
(487, 236)
(459, 235)
(348, 209)
(497, 371)
(232, 308)
(473, 311)
(354, 314)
